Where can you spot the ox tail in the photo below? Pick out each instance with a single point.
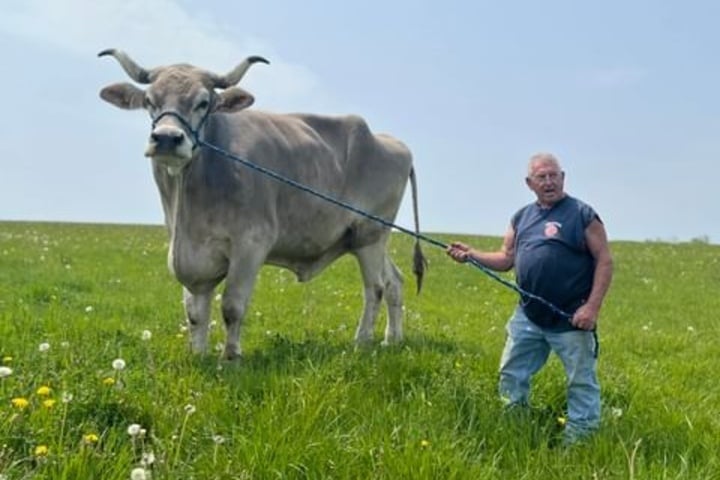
(420, 263)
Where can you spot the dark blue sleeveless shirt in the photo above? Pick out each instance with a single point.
(552, 260)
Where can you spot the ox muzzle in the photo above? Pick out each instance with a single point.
(173, 140)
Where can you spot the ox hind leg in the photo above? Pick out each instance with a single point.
(394, 298)
(197, 310)
(381, 279)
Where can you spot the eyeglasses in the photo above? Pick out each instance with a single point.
(546, 177)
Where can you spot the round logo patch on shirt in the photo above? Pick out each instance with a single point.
(552, 229)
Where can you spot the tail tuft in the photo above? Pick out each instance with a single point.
(420, 264)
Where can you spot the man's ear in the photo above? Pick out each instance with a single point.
(123, 95)
(233, 99)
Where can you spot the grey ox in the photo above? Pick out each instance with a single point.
(225, 221)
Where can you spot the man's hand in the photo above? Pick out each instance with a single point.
(459, 252)
(585, 317)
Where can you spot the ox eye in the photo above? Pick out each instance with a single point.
(203, 105)
(148, 104)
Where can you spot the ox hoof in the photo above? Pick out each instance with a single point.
(200, 351)
(392, 340)
(363, 337)
(365, 346)
(231, 354)
(361, 343)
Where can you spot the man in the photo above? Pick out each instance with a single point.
(559, 249)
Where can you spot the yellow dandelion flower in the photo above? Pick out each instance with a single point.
(425, 443)
(7, 359)
(561, 421)
(20, 402)
(90, 438)
(41, 451)
(49, 403)
(43, 391)
(109, 381)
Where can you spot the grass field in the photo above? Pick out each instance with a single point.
(96, 379)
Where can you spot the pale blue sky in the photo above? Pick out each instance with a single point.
(624, 92)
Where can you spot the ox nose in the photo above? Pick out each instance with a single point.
(167, 140)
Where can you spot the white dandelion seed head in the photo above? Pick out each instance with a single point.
(44, 347)
(646, 328)
(5, 372)
(118, 364)
(89, 309)
(139, 473)
(66, 397)
(148, 458)
(134, 429)
(218, 439)
(190, 409)
(691, 329)
(616, 412)
(146, 335)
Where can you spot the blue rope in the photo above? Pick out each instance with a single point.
(380, 220)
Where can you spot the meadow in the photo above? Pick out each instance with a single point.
(97, 381)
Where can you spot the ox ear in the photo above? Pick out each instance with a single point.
(233, 99)
(123, 95)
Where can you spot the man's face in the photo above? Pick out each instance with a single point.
(547, 181)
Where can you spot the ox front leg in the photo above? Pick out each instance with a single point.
(197, 310)
(394, 299)
(239, 286)
(371, 261)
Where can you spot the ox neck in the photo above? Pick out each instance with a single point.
(171, 188)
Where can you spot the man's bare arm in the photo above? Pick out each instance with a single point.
(501, 260)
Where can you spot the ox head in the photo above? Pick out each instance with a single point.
(179, 99)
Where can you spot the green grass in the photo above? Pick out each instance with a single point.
(303, 403)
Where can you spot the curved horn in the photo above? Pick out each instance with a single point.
(237, 73)
(134, 71)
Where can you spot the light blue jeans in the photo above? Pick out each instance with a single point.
(527, 349)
